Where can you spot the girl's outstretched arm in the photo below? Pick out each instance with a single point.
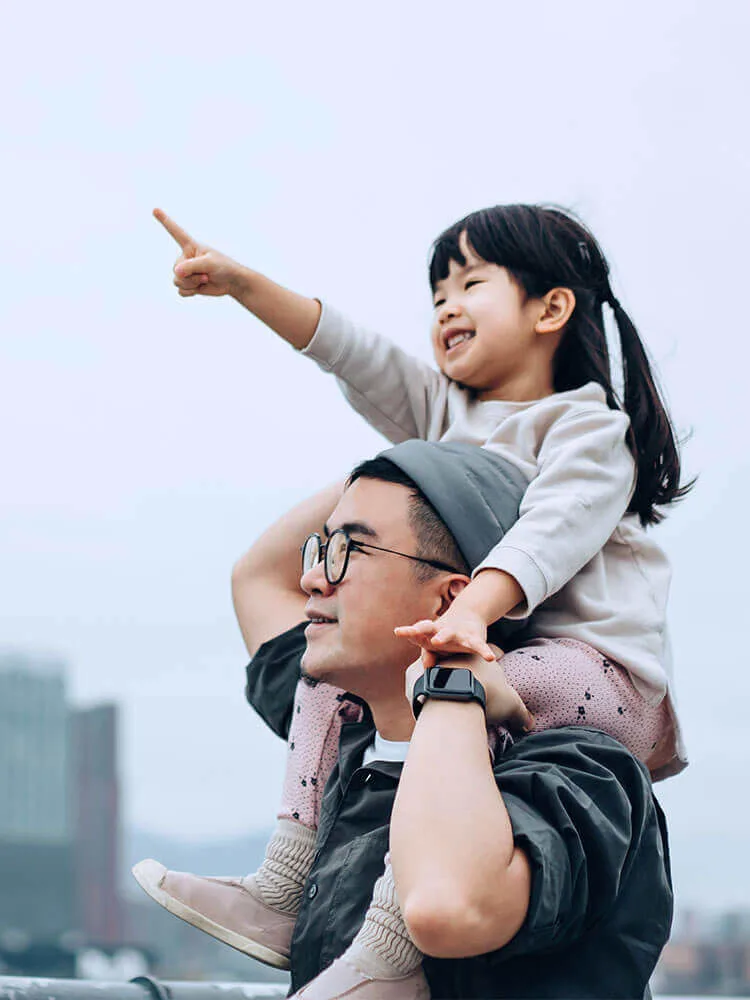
(399, 395)
(200, 270)
(265, 581)
(463, 627)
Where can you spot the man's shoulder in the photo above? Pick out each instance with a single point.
(584, 767)
(272, 675)
(583, 811)
(573, 746)
(290, 642)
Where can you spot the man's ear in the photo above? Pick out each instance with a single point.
(558, 305)
(450, 588)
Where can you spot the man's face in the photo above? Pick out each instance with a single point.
(357, 649)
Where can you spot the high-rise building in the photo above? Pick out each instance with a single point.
(36, 854)
(34, 776)
(96, 821)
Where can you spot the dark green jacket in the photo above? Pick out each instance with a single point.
(582, 809)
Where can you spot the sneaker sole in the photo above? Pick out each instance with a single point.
(149, 873)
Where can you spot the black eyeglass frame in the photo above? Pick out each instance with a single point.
(354, 546)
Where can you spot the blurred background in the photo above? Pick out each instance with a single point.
(147, 440)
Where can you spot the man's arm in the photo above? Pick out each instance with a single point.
(463, 886)
(265, 581)
(528, 853)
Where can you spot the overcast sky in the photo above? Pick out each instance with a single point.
(147, 440)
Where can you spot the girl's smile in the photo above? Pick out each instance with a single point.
(454, 338)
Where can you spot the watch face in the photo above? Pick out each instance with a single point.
(450, 679)
(450, 683)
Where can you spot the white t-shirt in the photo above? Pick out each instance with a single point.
(383, 749)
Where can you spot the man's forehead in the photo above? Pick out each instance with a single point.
(372, 507)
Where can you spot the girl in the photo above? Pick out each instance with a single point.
(519, 340)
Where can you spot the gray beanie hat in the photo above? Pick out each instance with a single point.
(476, 493)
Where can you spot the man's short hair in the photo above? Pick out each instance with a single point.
(434, 540)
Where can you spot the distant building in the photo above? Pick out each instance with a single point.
(709, 955)
(96, 822)
(37, 891)
(59, 808)
(36, 851)
(34, 776)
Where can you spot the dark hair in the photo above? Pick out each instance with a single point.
(434, 540)
(543, 248)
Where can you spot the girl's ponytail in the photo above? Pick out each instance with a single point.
(652, 436)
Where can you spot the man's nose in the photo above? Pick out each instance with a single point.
(314, 581)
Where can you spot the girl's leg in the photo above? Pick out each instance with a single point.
(319, 710)
(382, 948)
(564, 682)
(381, 963)
(312, 748)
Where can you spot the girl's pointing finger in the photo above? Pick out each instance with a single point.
(176, 232)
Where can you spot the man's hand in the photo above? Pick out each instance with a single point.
(199, 270)
(454, 632)
(504, 704)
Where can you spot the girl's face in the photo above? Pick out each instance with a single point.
(483, 333)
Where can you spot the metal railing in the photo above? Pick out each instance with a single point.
(140, 988)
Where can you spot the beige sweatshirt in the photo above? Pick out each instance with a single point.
(588, 570)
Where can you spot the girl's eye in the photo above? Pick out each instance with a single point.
(438, 303)
(468, 284)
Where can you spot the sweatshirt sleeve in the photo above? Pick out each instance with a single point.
(397, 394)
(586, 477)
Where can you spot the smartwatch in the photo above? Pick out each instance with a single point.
(448, 684)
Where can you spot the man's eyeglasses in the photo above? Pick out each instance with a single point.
(335, 553)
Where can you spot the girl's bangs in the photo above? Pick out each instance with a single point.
(445, 249)
(488, 235)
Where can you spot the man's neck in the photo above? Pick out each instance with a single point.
(392, 716)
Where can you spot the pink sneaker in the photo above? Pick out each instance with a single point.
(226, 908)
(341, 979)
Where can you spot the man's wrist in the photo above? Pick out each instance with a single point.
(452, 710)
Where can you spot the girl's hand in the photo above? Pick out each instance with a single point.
(453, 632)
(199, 270)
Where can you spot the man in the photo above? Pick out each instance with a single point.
(542, 873)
